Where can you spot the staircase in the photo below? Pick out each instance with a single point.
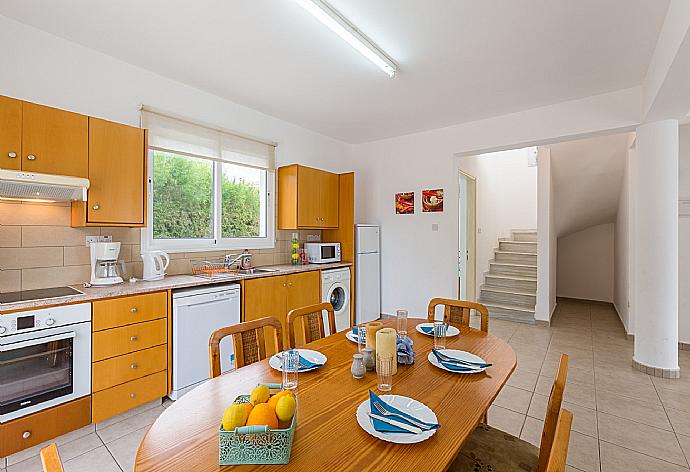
(510, 285)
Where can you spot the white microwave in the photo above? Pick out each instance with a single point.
(322, 253)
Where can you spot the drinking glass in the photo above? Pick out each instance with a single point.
(384, 371)
(361, 338)
(290, 367)
(439, 335)
(402, 322)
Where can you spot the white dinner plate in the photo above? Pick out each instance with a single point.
(450, 330)
(408, 405)
(351, 336)
(457, 354)
(308, 354)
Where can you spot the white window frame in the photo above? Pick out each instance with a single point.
(148, 243)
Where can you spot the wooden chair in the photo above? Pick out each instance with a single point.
(50, 459)
(248, 342)
(458, 312)
(312, 320)
(491, 449)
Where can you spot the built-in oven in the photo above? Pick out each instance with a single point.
(45, 358)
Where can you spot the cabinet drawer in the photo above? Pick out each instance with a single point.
(44, 425)
(116, 400)
(121, 369)
(129, 310)
(119, 341)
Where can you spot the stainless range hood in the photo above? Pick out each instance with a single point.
(30, 186)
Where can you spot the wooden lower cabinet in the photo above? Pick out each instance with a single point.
(116, 400)
(129, 310)
(126, 339)
(303, 289)
(45, 425)
(122, 369)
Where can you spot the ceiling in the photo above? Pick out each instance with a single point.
(587, 180)
(460, 60)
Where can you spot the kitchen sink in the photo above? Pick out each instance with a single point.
(257, 270)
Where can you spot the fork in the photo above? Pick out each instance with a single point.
(385, 412)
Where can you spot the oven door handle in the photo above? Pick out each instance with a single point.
(36, 341)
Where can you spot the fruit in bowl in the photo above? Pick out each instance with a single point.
(274, 411)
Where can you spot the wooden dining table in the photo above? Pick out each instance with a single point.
(328, 437)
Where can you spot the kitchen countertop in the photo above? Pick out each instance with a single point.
(170, 282)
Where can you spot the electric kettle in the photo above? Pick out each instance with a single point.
(154, 269)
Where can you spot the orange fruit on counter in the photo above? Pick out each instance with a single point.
(247, 409)
(273, 401)
(263, 414)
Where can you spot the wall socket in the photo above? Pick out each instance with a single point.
(98, 239)
(313, 238)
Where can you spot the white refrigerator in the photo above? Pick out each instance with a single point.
(367, 273)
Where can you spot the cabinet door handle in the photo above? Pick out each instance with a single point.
(12, 155)
(133, 338)
(290, 284)
(284, 285)
(132, 395)
(133, 310)
(26, 434)
(31, 157)
(133, 366)
(96, 206)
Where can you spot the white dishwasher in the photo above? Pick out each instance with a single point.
(198, 312)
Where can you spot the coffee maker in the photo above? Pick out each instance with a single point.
(104, 269)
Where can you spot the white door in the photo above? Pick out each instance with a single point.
(462, 244)
(368, 295)
(367, 239)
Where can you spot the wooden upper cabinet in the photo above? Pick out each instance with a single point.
(54, 141)
(117, 173)
(10, 133)
(307, 198)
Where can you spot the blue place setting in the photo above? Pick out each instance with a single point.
(428, 329)
(455, 360)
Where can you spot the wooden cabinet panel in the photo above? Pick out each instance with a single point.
(329, 200)
(266, 296)
(54, 141)
(121, 369)
(308, 196)
(302, 290)
(118, 341)
(44, 425)
(10, 133)
(113, 401)
(117, 173)
(129, 310)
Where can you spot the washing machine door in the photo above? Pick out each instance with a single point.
(337, 297)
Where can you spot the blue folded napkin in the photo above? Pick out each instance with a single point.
(454, 366)
(430, 329)
(389, 428)
(307, 364)
(356, 334)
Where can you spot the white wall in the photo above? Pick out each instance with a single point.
(684, 237)
(585, 264)
(546, 238)
(43, 68)
(622, 248)
(416, 262)
(506, 199)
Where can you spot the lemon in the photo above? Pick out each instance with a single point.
(273, 401)
(260, 394)
(285, 408)
(234, 416)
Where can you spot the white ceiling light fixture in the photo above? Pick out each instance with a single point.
(330, 17)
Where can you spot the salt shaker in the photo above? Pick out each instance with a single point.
(358, 370)
(369, 361)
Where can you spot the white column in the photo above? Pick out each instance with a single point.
(655, 239)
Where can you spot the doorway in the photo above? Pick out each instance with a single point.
(467, 194)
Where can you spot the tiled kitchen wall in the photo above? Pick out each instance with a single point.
(38, 248)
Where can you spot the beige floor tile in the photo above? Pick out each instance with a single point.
(60, 441)
(583, 451)
(575, 392)
(618, 459)
(584, 419)
(677, 399)
(523, 379)
(129, 425)
(633, 409)
(124, 450)
(626, 388)
(98, 460)
(680, 421)
(506, 420)
(641, 438)
(514, 399)
(681, 385)
(575, 374)
(68, 451)
(531, 430)
(628, 374)
(128, 414)
(684, 444)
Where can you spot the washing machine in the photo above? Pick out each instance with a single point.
(335, 289)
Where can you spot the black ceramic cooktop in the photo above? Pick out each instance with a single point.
(38, 294)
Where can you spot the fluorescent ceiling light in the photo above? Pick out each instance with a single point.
(330, 17)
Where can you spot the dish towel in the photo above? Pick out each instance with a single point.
(389, 428)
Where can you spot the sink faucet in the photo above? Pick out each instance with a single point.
(240, 261)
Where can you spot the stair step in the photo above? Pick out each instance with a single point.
(511, 282)
(524, 235)
(508, 312)
(512, 269)
(508, 297)
(525, 258)
(509, 245)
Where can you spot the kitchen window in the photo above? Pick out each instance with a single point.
(207, 189)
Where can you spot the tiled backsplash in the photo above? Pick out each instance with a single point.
(38, 248)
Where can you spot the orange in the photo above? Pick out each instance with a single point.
(263, 414)
(273, 401)
(247, 409)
